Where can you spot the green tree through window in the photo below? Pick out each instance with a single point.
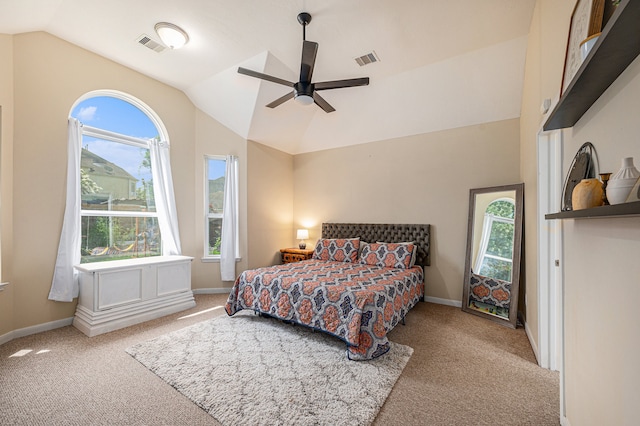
(496, 252)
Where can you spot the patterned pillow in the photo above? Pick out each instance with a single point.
(389, 255)
(339, 250)
(415, 250)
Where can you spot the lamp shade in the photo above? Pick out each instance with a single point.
(171, 35)
(302, 234)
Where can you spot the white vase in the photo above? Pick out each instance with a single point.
(621, 183)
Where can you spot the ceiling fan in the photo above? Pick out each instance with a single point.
(304, 91)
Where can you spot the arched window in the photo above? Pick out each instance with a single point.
(119, 219)
(495, 253)
(119, 202)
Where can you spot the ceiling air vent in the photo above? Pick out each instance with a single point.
(146, 41)
(369, 58)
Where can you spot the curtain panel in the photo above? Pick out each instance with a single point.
(64, 287)
(228, 245)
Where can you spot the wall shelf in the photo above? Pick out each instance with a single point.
(617, 210)
(615, 49)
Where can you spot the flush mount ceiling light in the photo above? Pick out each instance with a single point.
(171, 35)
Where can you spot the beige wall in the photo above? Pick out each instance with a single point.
(6, 181)
(49, 75)
(601, 269)
(418, 179)
(212, 138)
(270, 204)
(543, 75)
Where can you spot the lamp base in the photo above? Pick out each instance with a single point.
(302, 246)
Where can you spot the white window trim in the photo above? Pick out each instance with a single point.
(207, 258)
(118, 138)
(489, 219)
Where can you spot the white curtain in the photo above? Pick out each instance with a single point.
(484, 242)
(229, 236)
(64, 287)
(164, 196)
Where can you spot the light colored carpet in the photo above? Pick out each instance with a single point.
(251, 370)
(465, 370)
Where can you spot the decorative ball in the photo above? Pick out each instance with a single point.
(587, 194)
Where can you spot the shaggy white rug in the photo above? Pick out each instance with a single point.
(252, 370)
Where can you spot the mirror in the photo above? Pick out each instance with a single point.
(494, 245)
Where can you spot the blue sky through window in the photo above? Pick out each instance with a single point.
(117, 115)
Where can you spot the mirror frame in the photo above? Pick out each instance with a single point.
(517, 253)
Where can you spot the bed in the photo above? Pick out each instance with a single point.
(361, 282)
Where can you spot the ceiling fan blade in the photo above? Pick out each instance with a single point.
(338, 84)
(319, 100)
(256, 74)
(309, 52)
(281, 100)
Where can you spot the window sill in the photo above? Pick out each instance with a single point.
(127, 263)
(215, 259)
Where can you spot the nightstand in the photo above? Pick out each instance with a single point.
(295, 255)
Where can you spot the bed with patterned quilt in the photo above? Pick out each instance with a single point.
(360, 283)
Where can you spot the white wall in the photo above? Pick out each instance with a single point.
(602, 274)
(601, 270)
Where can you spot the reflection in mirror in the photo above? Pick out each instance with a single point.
(492, 267)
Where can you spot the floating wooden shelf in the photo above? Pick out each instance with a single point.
(617, 210)
(617, 47)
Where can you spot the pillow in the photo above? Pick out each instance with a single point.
(339, 250)
(415, 250)
(389, 255)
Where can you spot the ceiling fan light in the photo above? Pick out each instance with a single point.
(171, 35)
(304, 99)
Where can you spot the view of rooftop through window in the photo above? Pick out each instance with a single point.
(118, 212)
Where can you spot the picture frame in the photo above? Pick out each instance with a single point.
(634, 195)
(586, 20)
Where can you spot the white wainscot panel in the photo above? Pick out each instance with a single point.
(118, 288)
(121, 293)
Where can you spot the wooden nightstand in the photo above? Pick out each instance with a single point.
(295, 255)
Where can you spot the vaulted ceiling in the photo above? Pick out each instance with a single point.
(442, 64)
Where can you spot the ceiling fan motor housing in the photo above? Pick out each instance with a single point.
(303, 88)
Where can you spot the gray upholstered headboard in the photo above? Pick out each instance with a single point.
(389, 233)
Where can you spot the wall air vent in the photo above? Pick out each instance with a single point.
(146, 41)
(369, 58)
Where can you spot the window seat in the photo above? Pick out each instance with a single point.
(120, 293)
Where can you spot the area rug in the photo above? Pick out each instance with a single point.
(253, 370)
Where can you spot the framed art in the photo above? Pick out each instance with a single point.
(586, 20)
(634, 195)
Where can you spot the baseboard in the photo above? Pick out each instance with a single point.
(211, 290)
(34, 329)
(564, 421)
(439, 301)
(532, 342)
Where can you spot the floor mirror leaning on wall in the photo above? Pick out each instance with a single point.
(494, 246)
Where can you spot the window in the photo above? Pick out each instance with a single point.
(215, 169)
(118, 211)
(496, 248)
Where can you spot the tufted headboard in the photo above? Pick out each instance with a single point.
(389, 233)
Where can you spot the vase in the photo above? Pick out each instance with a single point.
(587, 194)
(621, 183)
(604, 177)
